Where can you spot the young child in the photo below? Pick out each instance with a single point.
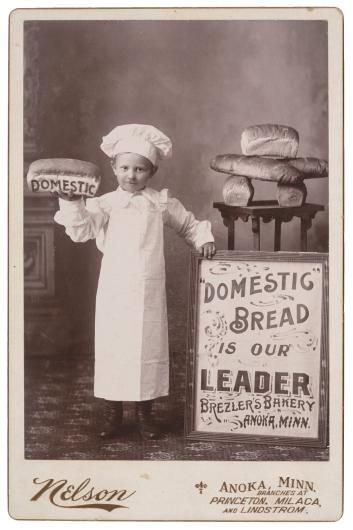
(131, 333)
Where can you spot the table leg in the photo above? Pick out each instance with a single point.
(255, 226)
(278, 224)
(230, 223)
(304, 226)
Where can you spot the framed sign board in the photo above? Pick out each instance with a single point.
(257, 348)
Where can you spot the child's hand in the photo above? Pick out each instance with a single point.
(66, 196)
(207, 250)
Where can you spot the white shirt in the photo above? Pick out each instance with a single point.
(84, 222)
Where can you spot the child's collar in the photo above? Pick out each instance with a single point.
(149, 193)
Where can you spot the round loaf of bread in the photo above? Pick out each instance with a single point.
(270, 140)
(64, 175)
(256, 167)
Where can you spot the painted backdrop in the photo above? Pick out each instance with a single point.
(202, 83)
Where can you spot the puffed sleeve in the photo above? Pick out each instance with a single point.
(82, 222)
(195, 232)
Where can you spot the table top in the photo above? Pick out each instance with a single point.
(268, 207)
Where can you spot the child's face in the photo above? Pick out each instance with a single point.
(132, 171)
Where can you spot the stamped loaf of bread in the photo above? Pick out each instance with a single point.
(64, 175)
(270, 140)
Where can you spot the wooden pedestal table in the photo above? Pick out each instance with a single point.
(268, 210)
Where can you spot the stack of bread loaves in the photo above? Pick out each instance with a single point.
(63, 175)
(269, 153)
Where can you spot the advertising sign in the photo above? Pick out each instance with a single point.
(259, 347)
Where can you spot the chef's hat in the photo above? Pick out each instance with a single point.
(144, 140)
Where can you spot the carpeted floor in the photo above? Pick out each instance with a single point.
(61, 421)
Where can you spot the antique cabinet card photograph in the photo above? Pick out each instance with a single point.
(176, 264)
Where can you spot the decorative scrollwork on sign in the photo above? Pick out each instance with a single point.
(304, 341)
(215, 327)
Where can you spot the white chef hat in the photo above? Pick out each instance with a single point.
(144, 140)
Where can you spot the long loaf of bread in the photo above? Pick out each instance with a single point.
(65, 175)
(257, 168)
(270, 140)
(310, 168)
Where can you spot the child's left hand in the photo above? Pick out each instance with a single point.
(207, 250)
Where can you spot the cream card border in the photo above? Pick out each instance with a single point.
(165, 490)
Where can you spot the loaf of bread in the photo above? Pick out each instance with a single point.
(310, 168)
(291, 195)
(237, 191)
(272, 140)
(257, 168)
(63, 175)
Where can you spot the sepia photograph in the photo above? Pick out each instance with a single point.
(105, 328)
(174, 174)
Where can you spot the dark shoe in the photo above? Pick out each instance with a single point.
(111, 419)
(146, 426)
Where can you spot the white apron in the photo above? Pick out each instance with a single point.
(131, 333)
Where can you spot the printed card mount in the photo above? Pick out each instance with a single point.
(261, 376)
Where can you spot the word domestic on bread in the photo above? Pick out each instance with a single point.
(64, 175)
